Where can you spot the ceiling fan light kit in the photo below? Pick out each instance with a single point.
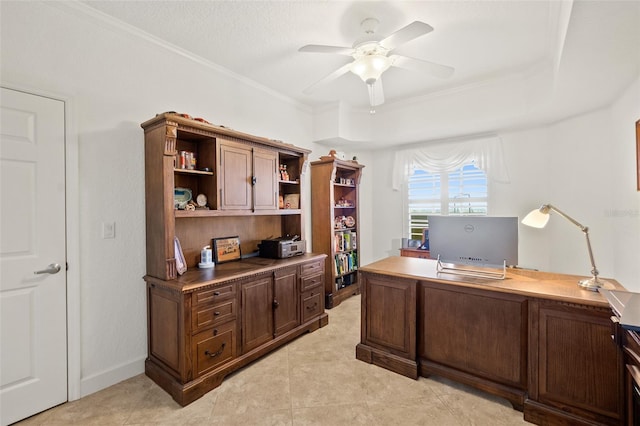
(371, 58)
(370, 67)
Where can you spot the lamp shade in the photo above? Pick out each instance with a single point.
(370, 67)
(536, 218)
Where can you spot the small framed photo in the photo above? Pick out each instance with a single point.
(226, 249)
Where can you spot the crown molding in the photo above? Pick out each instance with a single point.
(83, 11)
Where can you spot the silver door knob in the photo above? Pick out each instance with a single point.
(54, 268)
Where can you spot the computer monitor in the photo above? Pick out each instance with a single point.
(474, 240)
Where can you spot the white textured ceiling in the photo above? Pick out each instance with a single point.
(587, 51)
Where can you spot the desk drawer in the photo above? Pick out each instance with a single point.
(307, 283)
(206, 316)
(311, 268)
(214, 347)
(214, 294)
(312, 304)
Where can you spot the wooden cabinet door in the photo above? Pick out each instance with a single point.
(575, 366)
(234, 174)
(257, 312)
(390, 323)
(285, 300)
(479, 332)
(265, 189)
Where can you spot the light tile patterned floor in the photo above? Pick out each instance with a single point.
(314, 380)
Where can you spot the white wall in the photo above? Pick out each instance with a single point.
(114, 82)
(584, 165)
(624, 211)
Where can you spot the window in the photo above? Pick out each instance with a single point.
(461, 192)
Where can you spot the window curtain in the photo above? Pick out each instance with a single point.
(485, 153)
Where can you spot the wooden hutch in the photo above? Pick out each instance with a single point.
(207, 323)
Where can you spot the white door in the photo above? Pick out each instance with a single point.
(33, 339)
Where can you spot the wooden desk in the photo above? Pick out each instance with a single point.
(415, 252)
(534, 338)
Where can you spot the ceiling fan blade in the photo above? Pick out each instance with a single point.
(414, 64)
(403, 35)
(376, 93)
(315, 48)
(329, 78)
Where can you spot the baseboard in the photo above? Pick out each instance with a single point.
(104, 379)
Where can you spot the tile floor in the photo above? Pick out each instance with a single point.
(314, 380)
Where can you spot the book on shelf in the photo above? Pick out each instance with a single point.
(344, 241)
(346, 262)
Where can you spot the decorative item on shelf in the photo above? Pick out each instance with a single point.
(185, 160)
(280, 202)
(343, 202)
(206, 258)
(191, 206)
(179, 114)
(345, 181)
(335, 155)
(349, 222)
(538, 218)
(284, 175)
(338, 222)
(292, 201)
(201, 202)
(226, 249)
(202, 120)
(181, 197)
(181, 264)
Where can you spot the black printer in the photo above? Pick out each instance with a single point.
(282, 247)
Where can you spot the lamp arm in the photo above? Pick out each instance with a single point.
(584, 229)
(566, 216)
(594, 270)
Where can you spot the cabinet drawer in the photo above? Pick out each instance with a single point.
(307, 283)
(312, 304)
(214, 347)
(205, 316)
(311, 268)
(214, 294)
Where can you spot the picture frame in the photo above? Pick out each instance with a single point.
(292, 201)
(226, 249)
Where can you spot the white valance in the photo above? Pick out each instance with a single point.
(486, 154)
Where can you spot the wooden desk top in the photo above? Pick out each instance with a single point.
(544, 285)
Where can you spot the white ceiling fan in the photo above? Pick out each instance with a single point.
(371, 57)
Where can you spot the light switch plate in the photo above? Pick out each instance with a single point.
(108, 230)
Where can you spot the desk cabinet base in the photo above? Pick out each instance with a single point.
(552, 359)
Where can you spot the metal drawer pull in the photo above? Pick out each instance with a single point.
(216, 353)
(216, 313)
(53, 268)
(216, 293)
(310, 308)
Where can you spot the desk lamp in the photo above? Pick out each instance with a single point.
(538, 218)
